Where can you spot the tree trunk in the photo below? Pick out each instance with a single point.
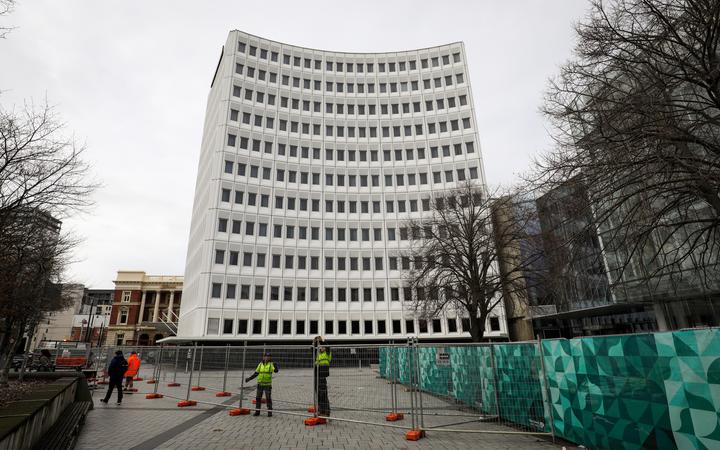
(7, 345)
(7, 361)
(477, 327)
(26, 350)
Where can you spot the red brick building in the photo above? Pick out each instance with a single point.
(145, 308)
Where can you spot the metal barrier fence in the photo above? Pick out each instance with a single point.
(466, 388)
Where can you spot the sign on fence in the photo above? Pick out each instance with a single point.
(442, 357)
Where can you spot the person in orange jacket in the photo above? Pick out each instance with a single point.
(133, 368)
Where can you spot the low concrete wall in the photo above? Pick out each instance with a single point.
(24, 422)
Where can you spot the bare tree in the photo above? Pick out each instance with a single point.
(636, 117)
(42, 180)
(6, 7)
(31, 264)
(456, 252)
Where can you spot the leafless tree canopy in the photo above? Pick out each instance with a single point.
(636, 115)
(42, 180)
(6, 7)
(455, 255)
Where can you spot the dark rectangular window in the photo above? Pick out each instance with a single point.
(242, 326)
(381, 327)
(368, 326)
(228, 326)
(452, 325)
(342, 327)
(396, 327)
(257, 326)
(437, 326)
(423, 325)
(313, 327)
(273, 327)
(494, 324)
(329, 329)
(299, 327)
(409, 326)
(287, 326)
(355, 327)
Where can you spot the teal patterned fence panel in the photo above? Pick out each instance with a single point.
(470, 379)
(639, 391)
(474, 386)
(433, 378)
(520, 385)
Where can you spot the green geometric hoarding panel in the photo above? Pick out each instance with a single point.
(639, 391)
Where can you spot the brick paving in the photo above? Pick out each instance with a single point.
(355, 394)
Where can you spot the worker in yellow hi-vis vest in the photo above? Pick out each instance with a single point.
(264, 373)
(322, 371)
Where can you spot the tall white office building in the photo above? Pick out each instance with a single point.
(311, 163)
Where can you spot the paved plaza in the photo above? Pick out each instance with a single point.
(355, 394)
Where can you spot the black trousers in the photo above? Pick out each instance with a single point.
(113, 384)
(322, 397)
(268, 396)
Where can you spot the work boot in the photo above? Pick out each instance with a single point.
(257, 413)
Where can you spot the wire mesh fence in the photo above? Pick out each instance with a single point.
(474, 388)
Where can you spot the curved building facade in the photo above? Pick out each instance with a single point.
(311, 163)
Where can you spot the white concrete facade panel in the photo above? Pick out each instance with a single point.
(311, 163)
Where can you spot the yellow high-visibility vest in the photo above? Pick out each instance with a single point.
(265, 371)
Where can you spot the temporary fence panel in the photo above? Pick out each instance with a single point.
(655, 390)
(357, 391)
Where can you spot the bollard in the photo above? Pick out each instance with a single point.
(240, 411)
(187, 401)
(174, 382)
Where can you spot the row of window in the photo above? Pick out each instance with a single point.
(349, 131)
(300, 262)
(340, 327)
(347, 66)
(340, 155)
(331, 206)
(343, 87)
(339, 179)
(302, 293)
(350, 109)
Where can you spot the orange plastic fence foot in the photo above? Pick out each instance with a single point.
(137, 379)
(414, 435)
(311, 409)
(321, 421)
(131, 390)
(197, 388)
(312, 421)
(392, 417)
(261, 401)
(151, 381)
(184, 403)
(223, 394)
(150, 396)
(239, 412)
(173, 384)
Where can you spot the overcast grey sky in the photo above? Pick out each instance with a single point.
(131, 78)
